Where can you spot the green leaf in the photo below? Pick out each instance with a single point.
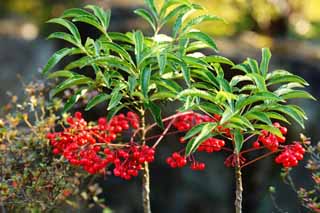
(118, 49)
(193, 92)
(97, 100)
(162, 61)
(56, 58)
(253, 65)
(244, 67)
(74, 99)
(144, 81)
(283, 76)
(258, 80)
(200, 36)
(116, 97)
(112, 61)
(91, 20)
(146, 16)
(79, 63)
(199, 20)
(169, 84)
(195, 130)
(151, 5)
(291, 112)
(70, 26)
(276, 116)
(74, 81)
(239, 78)
(186, 73)
(64, 36)
(176, 12)
(261, 96)
(241, 121)
(260, 116)
(208, 108)
(75, 12)
(218, 59)
(238, 140)
(138, 40)
(61, 74)
(156, 113)
(291, 94)
(163, 96)
(226, 116)
(114, 111)
(103, 16)
(203, 135)
(116, 36)
(273, 130)
(132, 83)
(177, 26)
(264, 65)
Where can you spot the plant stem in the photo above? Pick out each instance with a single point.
(145, 174)
(239, 188)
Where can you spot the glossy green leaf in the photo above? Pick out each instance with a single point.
(258, 80)
(64, 36)
(238, 140)
(199, 20)
(79, 63)
(253, 64)
(218, 59)
(162, 61)
(176, 12)
(204, 134)
(56, 58)
(97, 100)
(116, 97)
(103, 16)
(261, 96)
(91, 20)
(138, 40)
(200, 36)
(70, 82)
(156, 113)
(70, 26)
(283, 76)
(163, 96)
(145, 80)
(132, 83)
(61, 74)
(193, 92)
(74, 99)
(146, 16)
(151, 5)
(75, 12)
(260, 116)
(273, 130)
(264, 65)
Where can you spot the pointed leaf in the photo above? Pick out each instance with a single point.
(56, 58)
(146, 16)
(156, 113)
(97, 100)
(74, 99)
(70, 26)
(264, 65)
(238, 140)
(144, 81)
(116, 97)
(200, 36)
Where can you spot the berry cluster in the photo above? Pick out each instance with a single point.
(211, 145)
(291, 155)
(271, 141)
(176, 160)
(94, 147)
(186, 122)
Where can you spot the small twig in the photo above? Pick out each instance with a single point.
(259, 158)
(164, 133)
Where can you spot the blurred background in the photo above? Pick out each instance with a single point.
(291, 28)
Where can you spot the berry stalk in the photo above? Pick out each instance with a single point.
(239, 188)
(145, 172)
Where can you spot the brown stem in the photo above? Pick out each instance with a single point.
(145, 174)
(239, 188)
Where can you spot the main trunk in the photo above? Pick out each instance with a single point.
(239, 189)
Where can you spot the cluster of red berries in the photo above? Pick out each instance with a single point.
(211, 145)
(81, 144)
(186, 122)
(129, 162)
(271, 141)
(176, 160)
(291, 155)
